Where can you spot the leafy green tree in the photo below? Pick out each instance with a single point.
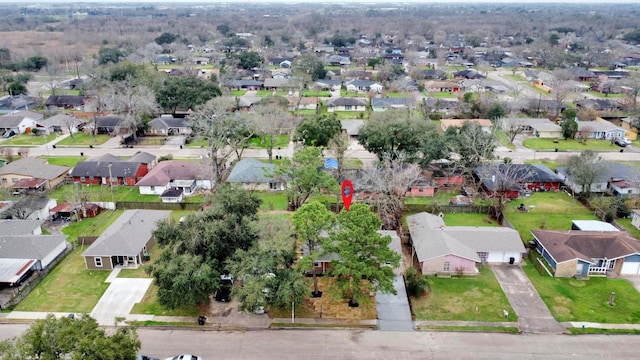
(166, 38)
(495, 112)
(248, 59)
(362, 254)
(194, 252)
(5, 57)
(185, 92)
(267, 268)
(16, 88)
(554, 39)
(310, 222)
(318, 130)
(633, 36)
(223, 29)
(310, 65)
(303, 176)
(373, 62)
(394, 133)
(569, 128)
(417, 284)
(66, 338)
(35, 63)
(109, 55)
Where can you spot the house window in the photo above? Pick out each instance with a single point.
(113, 179)
(445, 266)
(82, 178)
(347, 107)
(316, 264)
(483, 256)
(4, 181)
(90, 178)
(273, 186)
(629, 191)
(153, 188)
(419, 189)
(98, 261)
(14, 180)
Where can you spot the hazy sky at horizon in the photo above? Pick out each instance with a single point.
(323, 1)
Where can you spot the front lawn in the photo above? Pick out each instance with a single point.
(272, 200)
(82, 139)
(279, 141)
(28, 140)
(569, 299)
(541, 144)
(468, 298)
(68, 288)
(547, 211)
(503, 138)
(149, 305)
(309, 93)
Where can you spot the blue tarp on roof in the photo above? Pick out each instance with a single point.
(331, 163)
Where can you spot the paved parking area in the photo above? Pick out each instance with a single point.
(119, 299)
(533, 314)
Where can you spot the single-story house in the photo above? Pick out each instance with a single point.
(364, 85)
(253, 174)
(144, 158)
(68, 210)
(514, 178)
(117, 247)
(30, 168)
(34, 207)
(126, 173)
(382, 104)
(584, 253)
(25, 253)
(621, 179)
(539, 127)
(458, 249)
(442, 86)
(251, 85)
(635, 218)
(346, 104)
(168, 125)
(485, 124)
(276, 84)
(20, 122)
(352, 127)
(107, 124)
(304, 103)
(171, 174)
(328, 84)
(599, 130)
(61, 123)
(66, 101)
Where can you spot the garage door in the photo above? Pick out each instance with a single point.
(630, 268)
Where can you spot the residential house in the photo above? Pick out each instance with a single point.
(442, 86)
(352, 127)
(276, 84)
(599, 130)
(304, 103)
(347, 104)
(126, 173)
(383, 104)
(622, 180)
(32, 168)
(635, 218)
(144, 158)
(581, 74)
(246, 102)
(253, 174)
(364, 85)
(584, 253)
(167, 125)
(33, 207)
(538, 127)
(631, 132)
(440, 105)
(251, 85)
(20, 122)
(107, 124)
(485, 124)
(187, 176)
(459, 249)
(599, 104)
(75, 102)
(25, 253)
(116, 246)
(337, 60)
(510, 180)
(467, 74)
(328, 84)
(10, 104)
(61, 123)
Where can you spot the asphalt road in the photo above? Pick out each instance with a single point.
(371, 344)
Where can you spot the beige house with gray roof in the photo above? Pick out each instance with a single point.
(126, 242)
(32, 168)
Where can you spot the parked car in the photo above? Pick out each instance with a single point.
(8, 134)
(224, 293)
(620, 142)
(185, 357)
(145, 357)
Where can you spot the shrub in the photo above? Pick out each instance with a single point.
(417, 284)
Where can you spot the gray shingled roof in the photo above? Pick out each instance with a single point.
(34, 167)
(11, 227)
(341, 101)
(29, 246)
(101, 168)
(142, 157)
(168, 123)
(432, 239)
(128, 234)
(251, 170)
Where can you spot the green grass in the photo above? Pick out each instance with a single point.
(441, 94)
(351, 163)
(69, 161)
(270, 92)
(626, 224)
(150, 305)
(580, 331)
(345, 93)
(458, 298)
(309, 93)
(28, 140)
(541, 144)
(351, 115)
(275, 200)
(91, 226)
(68, 288)
(551, 164)
(569, 299)
(503, 138)
(605, 96)
(98, 193)
(238, 92)
(550, 211)
(396, 94)
(483, 329)
(468, 219)
(515, 78)
(278, 141)
(198, 142)
(82, 139)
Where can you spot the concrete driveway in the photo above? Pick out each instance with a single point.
(119, 298)
(634, 280)
(533, 314)
(394, 313)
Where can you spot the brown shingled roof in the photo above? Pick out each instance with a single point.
(587, 245)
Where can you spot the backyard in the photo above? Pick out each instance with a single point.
(546, 211)
(541, 144)
(468, 298)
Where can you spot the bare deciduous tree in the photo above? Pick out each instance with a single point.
(271, 119)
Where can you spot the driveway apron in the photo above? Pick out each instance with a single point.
(119, 299)
(394, 313)
(533, 314)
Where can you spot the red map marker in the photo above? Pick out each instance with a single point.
(347, 194)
